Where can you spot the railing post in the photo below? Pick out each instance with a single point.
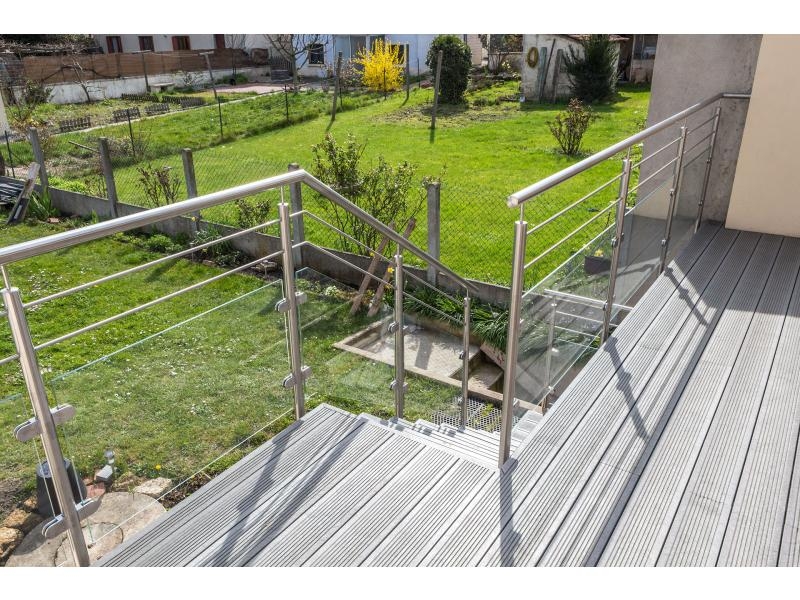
(616, 244)
(38, 155)
(298, 224)
(399, 384)
(548, 360)
(434, 194)
(191, 182)
(674, 194)
(297, 377)
(47, 426)
(465, 364)
(108, 175)
(512, 344)
(712, 144)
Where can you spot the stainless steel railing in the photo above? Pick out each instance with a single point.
(403, 283)
(653, 194)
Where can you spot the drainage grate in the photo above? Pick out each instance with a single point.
(480, 415)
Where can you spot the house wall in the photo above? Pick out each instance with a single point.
(688, 69)
(764, 197)
(161, 42)
(418, 48)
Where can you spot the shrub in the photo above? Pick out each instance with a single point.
(382, 190)
(161, 186)
(570, 125)
(382, 67)
(158, 242)
(456, 62)
(252, 212)
(41, 208)
(592, 70)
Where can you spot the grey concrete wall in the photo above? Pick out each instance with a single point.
(688, 69)
(258, 244)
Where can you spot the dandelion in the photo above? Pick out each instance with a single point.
(158, 467)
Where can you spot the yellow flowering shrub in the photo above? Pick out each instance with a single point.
(384, 58)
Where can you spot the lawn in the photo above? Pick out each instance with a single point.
(171, 388)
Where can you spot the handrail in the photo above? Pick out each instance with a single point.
(547, 183)
(67, 239)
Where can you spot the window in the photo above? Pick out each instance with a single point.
(114, 43)
(219, 41)
(316, 54)
(146, 42)
(181, 42)
(357, 43)
(644, 47)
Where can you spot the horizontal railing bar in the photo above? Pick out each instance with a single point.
(9, 359)
(698, 143)
(576, 299)
(343, 202)
(144, 266)
(656, 153)
(428, 285)
(575, 331)
(649, 177)
(568, 236)
(103, 229)
(703, 124)
(581, 317)
(573, 205)
(434, 309)
(545, 184)
(151, 303)
(341, 260)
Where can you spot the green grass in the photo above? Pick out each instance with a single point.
(173, 387)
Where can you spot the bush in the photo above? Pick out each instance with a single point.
(456, 62)
(592, 70)
(161, 186)
(569, 126)
(383, 191)
(382, 67)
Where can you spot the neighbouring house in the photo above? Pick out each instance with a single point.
(544, 77)
(638, 57)
(165, 42)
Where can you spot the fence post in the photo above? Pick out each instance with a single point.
(408, 71)
(10, 156)
(298, 223)
(46, 423)
(108, 175)
(436, 88)
(512, 343)
(191, 183)
(465, 364)
(336, 85)
(38, 156)
(434, 225)
(616, 244)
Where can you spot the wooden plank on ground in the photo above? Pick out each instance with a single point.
(375, 305)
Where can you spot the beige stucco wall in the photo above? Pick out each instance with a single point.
(766, 186)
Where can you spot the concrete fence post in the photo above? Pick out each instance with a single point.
(434, 226)
(108, 175)
(38, 156)
(191, 184)
(298, 224)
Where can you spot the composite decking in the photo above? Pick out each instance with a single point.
(676, 445)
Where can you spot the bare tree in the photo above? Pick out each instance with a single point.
(75, 65)
(295, 47)
(235, 41)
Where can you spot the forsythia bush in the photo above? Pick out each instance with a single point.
(384, 58)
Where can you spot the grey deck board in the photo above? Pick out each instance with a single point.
(676, 445)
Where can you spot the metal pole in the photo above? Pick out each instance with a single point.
(10, 156)
(465, 363)
(214, 87)
(616, 244)
(293, 325)
(108, 175)
(219, 110)
(130, 132)
(436, 88)
(434, 221)
(41, 408)
(512, 344)
(399, 383)
(298, 223)
(548, 359)
(674, 194)
(712, 144)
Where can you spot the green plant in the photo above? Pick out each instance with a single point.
(569, 126)
(41, 207)
(592, 69)
(382, 190)
(456, 62)
(160, 185)
(222, 253)
(158, 242)
(252, 211)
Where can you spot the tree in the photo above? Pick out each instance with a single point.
(383, 70)
(500, 46)
(569, 126)
(296, 48)
(235, 41)
(592, 69)
(456, 62)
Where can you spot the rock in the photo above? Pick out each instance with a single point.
(53, 220)
(126, 482)
(10, 538)
(22, 520)
(96, 490)
(105, 475)
(107, 536)
(154, 487)
(30, 504)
